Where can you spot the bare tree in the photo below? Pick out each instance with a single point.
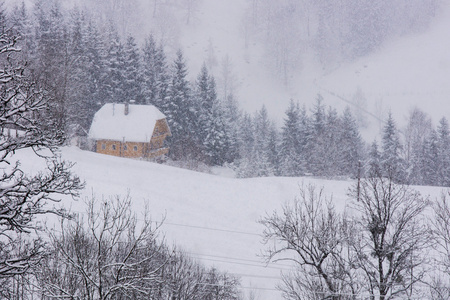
(107, 254)
(22, 196)
(310, 233)
(391, 238)
(440, 281)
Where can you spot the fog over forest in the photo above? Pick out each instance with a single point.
(268, 52)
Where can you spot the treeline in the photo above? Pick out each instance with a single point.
(84, 64)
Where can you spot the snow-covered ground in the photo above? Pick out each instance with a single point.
(214, 218)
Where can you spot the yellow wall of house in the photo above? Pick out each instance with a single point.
(154, 148)
(127, 149)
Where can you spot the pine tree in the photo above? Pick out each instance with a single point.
(115, 64)
(22, 26)
(350, 145)
(416, 131)
(331, 145)
(374, 161)
(149, 84)
(78, 96)
(273, 149)
(245, 163)
(131, 72)
(155, 74)
(181, 114)
(430, 163)
(263, 164)
(211, 120)
(290, 151)
(392, 163)
(443, 149)
(216, 142)
(52, 59)
(316, 139)
(96, 67)
(232, 119)
(162, 78)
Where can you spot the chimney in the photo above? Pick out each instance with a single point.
(127, 108)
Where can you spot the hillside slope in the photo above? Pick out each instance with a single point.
(210, 217)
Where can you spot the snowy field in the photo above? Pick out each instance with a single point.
(212, 218)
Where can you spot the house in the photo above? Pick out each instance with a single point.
(129, 130)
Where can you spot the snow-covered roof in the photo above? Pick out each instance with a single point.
(111, 123)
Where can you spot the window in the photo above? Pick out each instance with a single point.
(114, 147)
(103, 146)
(135, 148)
(125, 147)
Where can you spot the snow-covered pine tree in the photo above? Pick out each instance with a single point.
(350, 145)
(181, 113)
(373, 166)
(115, 68)
(132, 72)
(216, 143)
(162, 78)
(203, 102)
(263, 160)
(52, 61)
(21, 25)
(149, 85)
(417, 130)
(78, 96)
(155, 74)
(232, 118)
(443, 148)
(429, 162)
(316, 138)
(392, 164)
(247, 142)
(96, 67)
(273, 150)
(291, 162)
(331, 148)
(211, 123)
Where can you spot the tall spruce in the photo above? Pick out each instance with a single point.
(291, 162)
(181, 113)
(115, 68)
(155, 74)
(350, 146)
(430, 162)
(211, 120)
(373, 166)
(315, 150)
(232, 118)
(52, 66)
(443, 145)
(131, 72)
(262, 159)
(149, 71)
(392, 163)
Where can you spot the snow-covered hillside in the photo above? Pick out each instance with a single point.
(212, 218)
